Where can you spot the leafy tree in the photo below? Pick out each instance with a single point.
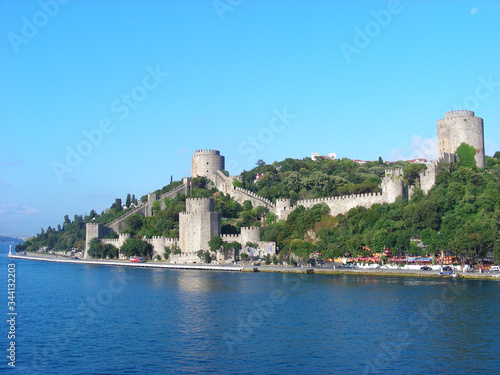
(215, 243)
(137, 247)
(466, 155)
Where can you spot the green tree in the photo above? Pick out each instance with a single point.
(466, 155)
(137, 247)
(215, 243)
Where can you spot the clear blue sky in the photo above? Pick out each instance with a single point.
(101, 67)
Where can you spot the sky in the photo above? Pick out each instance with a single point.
(100, 99)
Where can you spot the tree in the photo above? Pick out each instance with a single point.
(411, 173)
(215, 243)
(135, 221)
(137, 247)
(466, 155)
(128, 201)
(156, 207)
(166, 252)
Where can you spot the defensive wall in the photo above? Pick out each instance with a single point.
(159, 243)
(392, 187)
(181, 189)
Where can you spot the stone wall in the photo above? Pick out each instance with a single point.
(428, 177)
(120, 223)
(241, 195)
(117, 242)
(159, 243)
(181, 189)
(392, 188)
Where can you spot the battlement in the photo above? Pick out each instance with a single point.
(226, 237)
(394, 172)
(199, 205)
(253, 195)
(197, 199)
(459, 113)
(283, 200)
(314, 201)
(250, 229)
(206, 152)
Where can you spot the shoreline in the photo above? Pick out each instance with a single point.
(250, 268)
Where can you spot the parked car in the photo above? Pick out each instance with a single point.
(426, 268)
(447, 268)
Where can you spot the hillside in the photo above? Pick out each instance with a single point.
(460, 214)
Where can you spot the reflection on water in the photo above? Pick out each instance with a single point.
(173, 321)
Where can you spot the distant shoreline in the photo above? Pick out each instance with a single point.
(250, 268)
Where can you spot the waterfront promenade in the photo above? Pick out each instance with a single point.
(328, 269)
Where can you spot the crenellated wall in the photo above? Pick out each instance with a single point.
(117, 242)
(181, 189)
(159, 243)
(241, 195)
(120, 223)
(392, 187)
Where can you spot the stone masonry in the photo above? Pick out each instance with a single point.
(459, 127)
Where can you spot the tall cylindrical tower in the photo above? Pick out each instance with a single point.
(459, 127)
(206, 162)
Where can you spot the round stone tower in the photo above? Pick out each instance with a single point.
(199, 205)
(459, 127)
(250, 234)
(206, 162)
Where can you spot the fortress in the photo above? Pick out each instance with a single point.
(200, 223)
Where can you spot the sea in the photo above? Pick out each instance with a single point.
(90, 319)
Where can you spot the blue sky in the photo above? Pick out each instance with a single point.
(151, 82)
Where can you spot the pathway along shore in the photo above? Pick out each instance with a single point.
(326, 270)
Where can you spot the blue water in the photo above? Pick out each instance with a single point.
(84, 319)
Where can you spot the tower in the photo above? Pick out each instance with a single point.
(198, 225)
(459, 127)
(392, 184)
(92, 230)
(206, 162)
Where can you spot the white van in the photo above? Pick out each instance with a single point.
(495, 269)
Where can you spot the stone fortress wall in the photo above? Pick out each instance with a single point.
(392, 187)
(199, 223)
(459, 127)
